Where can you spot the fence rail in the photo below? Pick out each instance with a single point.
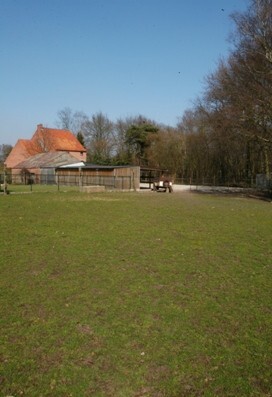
(61, 182)
(75, 181)
(212, 182)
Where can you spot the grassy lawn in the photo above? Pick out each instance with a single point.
(135, 295)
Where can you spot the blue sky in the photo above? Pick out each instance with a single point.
(121, 57)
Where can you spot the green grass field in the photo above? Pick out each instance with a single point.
(135, 295)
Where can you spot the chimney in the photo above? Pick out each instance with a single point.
(39, 126)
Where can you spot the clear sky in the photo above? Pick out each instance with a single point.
(121, 57)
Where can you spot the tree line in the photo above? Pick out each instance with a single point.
(229, 130)
(226, 135)
(133, 140)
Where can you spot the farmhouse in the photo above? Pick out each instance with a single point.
(55, 156)
(44, 140)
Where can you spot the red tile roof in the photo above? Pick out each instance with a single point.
(28, 146)
(23, 149)
(57, 139)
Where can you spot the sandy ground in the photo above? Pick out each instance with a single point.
(184, 188)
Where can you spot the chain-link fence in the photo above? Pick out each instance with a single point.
(243, 183)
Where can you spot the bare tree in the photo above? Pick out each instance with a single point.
(234, 116)
(253, 58)
(72, 121)
(122, 150)
(65, 118)
(99, 137)
(4, 152)
(166, 150)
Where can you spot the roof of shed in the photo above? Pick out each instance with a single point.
(48, 160)
(97, 166)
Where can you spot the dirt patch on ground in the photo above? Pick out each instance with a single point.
(225, 190)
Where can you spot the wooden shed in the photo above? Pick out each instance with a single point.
(112, 177)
